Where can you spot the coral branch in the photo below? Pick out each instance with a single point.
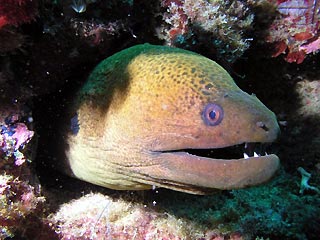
(304, 185)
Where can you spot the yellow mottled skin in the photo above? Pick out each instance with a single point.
(146, 100)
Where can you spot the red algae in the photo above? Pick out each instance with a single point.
(17, 12)
(295, 32)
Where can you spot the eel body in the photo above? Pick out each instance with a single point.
(142, 109)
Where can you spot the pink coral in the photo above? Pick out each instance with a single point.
(296, 32)
(13, 138)
(17, 200)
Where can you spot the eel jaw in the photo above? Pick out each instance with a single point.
(198, 175)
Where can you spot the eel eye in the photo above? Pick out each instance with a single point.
(212, 114)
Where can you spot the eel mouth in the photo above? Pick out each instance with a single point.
(239, 151)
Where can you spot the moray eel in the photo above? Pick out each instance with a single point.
(142, 109)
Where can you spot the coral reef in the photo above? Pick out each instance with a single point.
(296, 31)
(96, 216)
(14, 135)
(46, 53)
(221, 25)
(21, 205)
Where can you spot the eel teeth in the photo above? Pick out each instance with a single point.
(254, 149)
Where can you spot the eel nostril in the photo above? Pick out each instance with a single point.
(262, 125)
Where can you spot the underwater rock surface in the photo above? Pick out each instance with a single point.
(97, 216)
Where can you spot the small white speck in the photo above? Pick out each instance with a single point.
(164, 106)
